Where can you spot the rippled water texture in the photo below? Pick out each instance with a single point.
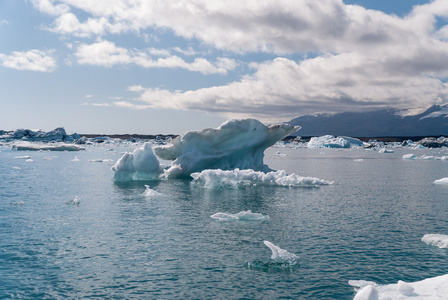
(68, 231)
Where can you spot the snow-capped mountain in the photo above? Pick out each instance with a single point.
(380, 123)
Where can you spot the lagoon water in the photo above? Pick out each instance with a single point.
(68, 231)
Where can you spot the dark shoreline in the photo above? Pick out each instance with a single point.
(386, 139)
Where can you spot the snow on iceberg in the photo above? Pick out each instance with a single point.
(438, 240)
(329, 141)
(220, 179)
(430, 288)
(141, 164)
(242, 215)
(46, 147)
(234, 144)
(441, 181)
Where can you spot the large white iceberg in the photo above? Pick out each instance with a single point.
(234, 144)
(329, 141)
(225, 179)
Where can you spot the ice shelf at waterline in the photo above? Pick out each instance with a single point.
(234, 144)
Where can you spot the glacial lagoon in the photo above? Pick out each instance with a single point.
(68, 230)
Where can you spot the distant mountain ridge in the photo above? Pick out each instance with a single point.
(380, 123)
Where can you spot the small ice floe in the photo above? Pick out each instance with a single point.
(29, 160)
(409, 156)
(233, 179)
(23, 157)
(430, 288)
(281, 260)
(358, 159)
(441, 181)
(50, 157)
(150, 193)
(76, 158)
(16, 168)
(46, 147)
(18, 203)
(74, 201)
(384, 150)
(427, 157)
(242, 216)
(101, 160)
(438, 240)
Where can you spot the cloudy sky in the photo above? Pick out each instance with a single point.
(150, 66)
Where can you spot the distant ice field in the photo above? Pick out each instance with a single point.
(67, 230)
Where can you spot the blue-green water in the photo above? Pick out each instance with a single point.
(118, 244)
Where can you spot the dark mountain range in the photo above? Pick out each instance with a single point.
(379, 123)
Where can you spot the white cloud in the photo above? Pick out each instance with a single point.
(362, 58)
(47, 6)
(32, 60)
(284, 89)
(3, 22)
(107, 54)
(104, 104)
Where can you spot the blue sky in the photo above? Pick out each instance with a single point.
(146, 66)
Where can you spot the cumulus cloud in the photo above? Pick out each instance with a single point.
(107, 54)
(32, 60)
(283, 89)
(360, 58)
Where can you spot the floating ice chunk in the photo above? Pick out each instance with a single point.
(23, 157)
(409, 156)
(16, 168)
(438, 240)
(50, 157)
(234, 144)
(329, 141)
(427, 157)
(224, 216)
(279, 254)
(46, 147)
(150, 193)
(441, 181)
(405, 288)
(384, 150)
(74, 201)
(219, 179)
(29, 160)
(358, 159)
(76, 158)
(428, 289)
(368, 292)
(101, 160)
(141, 164)
(242, 215)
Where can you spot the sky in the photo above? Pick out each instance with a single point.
(167, 67)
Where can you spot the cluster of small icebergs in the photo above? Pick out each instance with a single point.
(241, 216)
(411, 156)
